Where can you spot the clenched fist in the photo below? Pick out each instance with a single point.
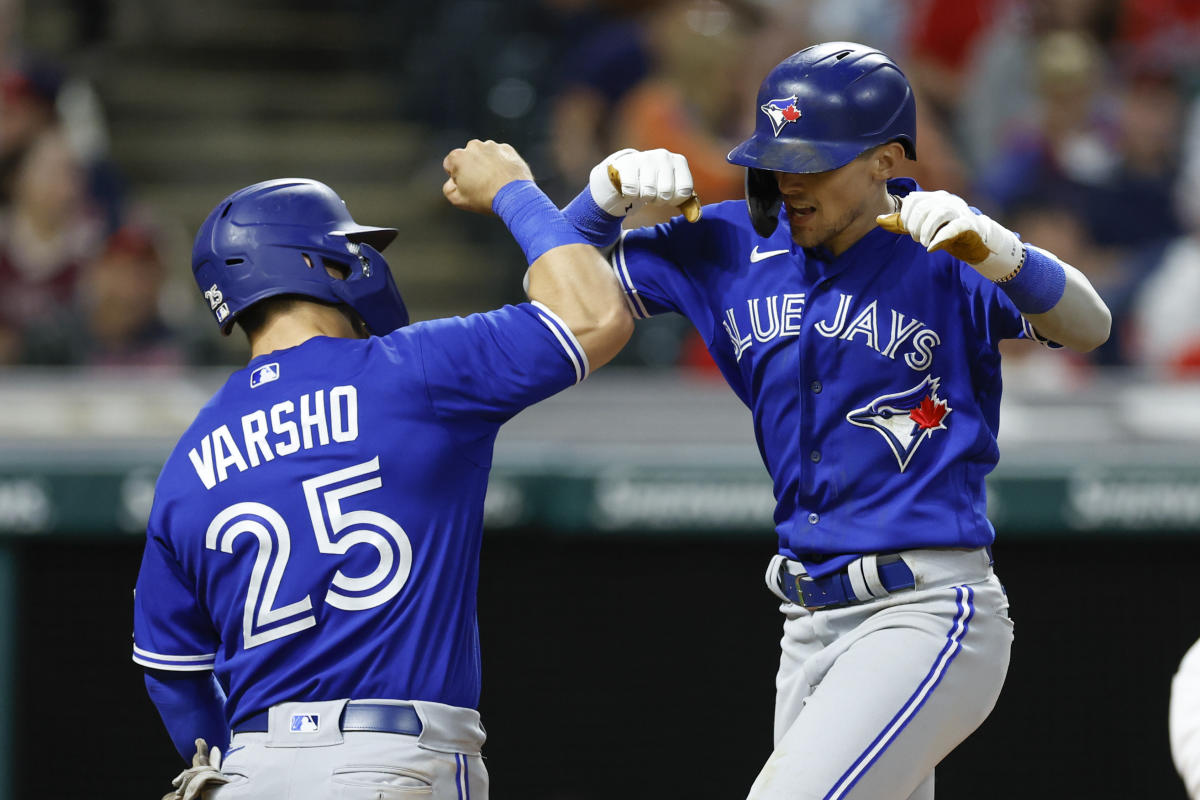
(478, 171)
(629, 179)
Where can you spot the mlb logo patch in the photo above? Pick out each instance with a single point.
(222, 312)
(781, 112)
(264, 374)
(305, 723)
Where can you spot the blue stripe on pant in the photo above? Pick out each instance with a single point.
(462, 777)
(965, 597)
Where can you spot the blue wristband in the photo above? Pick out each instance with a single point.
(1039, 285)
(594, 223)
(534, 221)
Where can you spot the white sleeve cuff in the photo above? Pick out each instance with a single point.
(570, 345)
(621, 270)
(197, 663)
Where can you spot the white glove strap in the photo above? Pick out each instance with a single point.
(1007, 251)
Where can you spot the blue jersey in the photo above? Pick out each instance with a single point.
(873, 377)
(316, 532)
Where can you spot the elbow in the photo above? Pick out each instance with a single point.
(1096, 334)
(607, 336)
(621, 326)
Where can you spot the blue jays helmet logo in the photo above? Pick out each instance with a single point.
(905, 419)
(781, 112)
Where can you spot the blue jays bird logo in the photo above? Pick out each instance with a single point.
(781, 112)
(905, 419)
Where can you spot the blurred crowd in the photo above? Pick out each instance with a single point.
(83, 274)
(1074, 122)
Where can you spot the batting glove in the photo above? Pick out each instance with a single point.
(943, 221)
(650, 177)
(204, 773)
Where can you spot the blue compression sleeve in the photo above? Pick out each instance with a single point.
(1039, 285)
(534, 221)
(192, 706)
(594, 223)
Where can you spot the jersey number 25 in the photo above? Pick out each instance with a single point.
(336, 531)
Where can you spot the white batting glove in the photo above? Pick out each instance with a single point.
(943, 221)
(204, 773)
(650, 177)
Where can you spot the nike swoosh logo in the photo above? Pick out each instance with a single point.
(756, 256)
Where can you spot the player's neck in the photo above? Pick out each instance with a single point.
(297, 325)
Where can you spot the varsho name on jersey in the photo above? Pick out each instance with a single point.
(287, 427)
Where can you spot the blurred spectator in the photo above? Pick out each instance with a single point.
(46, 235)
(1166, 327)
(27, 98)
(1000, 85)
(116, 319)
(938, 164)
(879, 23)
(1113, 157)
(35, 97)
(1068, 139)
(1159, 34)
(693, 102)
(941, 37)
(1061, 230)
(609, 57)
(1134, 204)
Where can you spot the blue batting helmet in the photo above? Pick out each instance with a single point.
(818, 110)
(283, 237)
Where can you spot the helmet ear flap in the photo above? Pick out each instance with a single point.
(763, 200)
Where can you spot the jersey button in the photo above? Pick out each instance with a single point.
(816, 387)
(815, 455)
(814, 518)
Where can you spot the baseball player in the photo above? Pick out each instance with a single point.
(1183, 720)
(306, 599)
(869, 361)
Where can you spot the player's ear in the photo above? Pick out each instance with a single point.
(885, 159)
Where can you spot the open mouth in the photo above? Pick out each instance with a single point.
(801, 212)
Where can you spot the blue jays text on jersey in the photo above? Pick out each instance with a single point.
(320, 521)
(873, 378)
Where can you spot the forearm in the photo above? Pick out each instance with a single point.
(1079, 320)
(566, 274)
(1059, 301)
(577, 284)
(191, 705)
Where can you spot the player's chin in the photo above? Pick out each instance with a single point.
(805, 234)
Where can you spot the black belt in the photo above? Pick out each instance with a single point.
(356, 716)
(836, 589)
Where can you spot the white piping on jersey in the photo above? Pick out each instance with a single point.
(199, 663)
(149, 654)
(639, 310)
(566, 338)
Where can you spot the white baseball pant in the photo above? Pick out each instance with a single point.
(442, 763)
(1183, 720)
(870, 697)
